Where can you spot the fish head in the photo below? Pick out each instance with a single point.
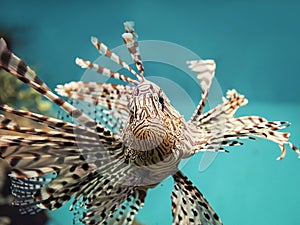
(152, 119)
(148, 102)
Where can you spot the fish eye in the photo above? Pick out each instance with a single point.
(161, 100)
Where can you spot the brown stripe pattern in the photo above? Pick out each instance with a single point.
(133, 48)
(205, 70)
(104, 50)
(128, 139)
(104, 71)
(189, 206)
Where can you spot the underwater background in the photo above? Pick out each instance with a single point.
(256, 48)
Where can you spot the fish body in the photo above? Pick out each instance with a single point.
(107, 167)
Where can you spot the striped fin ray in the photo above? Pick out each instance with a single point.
(101, 203)
(100, 196)
(112, 113)
(114, 98)
(41, 119)
(95, 88)
(6, 57)
(115, 120)
(110, 192)
(253, 126)
(104, 50)
(49, 150)
(112, 119)
(222, 128)
(99, 185)
(37, 200)
(72, 137)
(95, 190)
(127, 211)
(76, 179)
(4, 121)
(24, 189)
(225, 110)
(132, 46)
(110, 101)
(129, 28)
(14, 65)
(206, 71)
(79, 176)
(52, 123)
(66, 185)
(40, 161)
(102, 208)
(52, 139)
(189, 206)
(245, 123)
(43, 151)
(104, 71)
(39, 155)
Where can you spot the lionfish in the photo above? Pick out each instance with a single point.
(107, 166)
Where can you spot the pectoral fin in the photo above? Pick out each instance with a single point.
(189, 205)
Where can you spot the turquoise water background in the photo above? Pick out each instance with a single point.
(256, 47)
